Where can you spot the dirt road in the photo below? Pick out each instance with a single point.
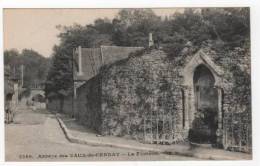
(37, 136)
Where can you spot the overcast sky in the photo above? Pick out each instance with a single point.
(36, 28)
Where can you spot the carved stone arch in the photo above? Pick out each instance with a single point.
(200, 58)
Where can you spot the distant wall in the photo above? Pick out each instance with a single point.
(68, 105)
(88, 104)
(61, 106)
(53, 105)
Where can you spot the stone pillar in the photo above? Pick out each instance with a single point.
(186, 107)
(191, 103)
(219, 131)
(219, 107)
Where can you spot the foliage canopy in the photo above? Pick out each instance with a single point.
(226, 28)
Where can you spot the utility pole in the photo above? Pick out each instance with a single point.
(151, 42)
(74, 95)
(14, 74)
(22, 68)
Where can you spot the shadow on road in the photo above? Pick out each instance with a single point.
(73, 124)
(27, 116)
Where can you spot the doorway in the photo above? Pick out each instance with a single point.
(205, 123)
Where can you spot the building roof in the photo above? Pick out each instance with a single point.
(111, 54)
(93, 59)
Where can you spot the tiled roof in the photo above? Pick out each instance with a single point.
(94, 58)
(111, 54)
(91, 62)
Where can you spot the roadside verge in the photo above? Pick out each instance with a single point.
(182, 150)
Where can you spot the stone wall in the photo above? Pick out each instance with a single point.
(61, 106)
(152, 82)
(136, 88)
(124, 94)
(85, 107)
(53, 105)
(87, 104)
(67, 107)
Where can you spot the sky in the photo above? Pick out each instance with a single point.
(36, 28)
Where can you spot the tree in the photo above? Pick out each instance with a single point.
(183, 28)
(132, 26)
(60, 76)
(230, 25)
(225, 27)
(35, 65)
(11, 57)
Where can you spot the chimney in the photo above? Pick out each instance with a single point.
(80, 60)
(151, 43)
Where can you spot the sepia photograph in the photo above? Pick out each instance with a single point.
(127, 84)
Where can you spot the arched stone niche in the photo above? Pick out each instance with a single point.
(200, 58)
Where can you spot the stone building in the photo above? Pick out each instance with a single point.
(201, 94)
(11, 89)
(87, 81)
